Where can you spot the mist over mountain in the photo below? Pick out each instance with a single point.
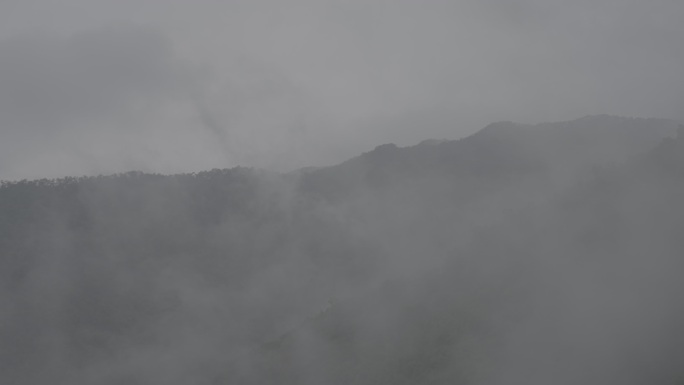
(553, 152)
(522, 254)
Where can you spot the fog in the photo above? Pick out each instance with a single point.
(520, 254)
(341, 192)
(92, 87)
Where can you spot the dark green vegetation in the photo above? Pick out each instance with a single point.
(546, 254)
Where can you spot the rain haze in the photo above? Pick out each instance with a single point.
(351, 192)
(90, 87)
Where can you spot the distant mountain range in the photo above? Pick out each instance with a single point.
(504, 148)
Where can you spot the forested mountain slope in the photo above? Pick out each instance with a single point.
(521, 254)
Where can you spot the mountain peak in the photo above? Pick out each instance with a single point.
(387, 147)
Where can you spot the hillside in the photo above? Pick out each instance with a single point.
(528, 254)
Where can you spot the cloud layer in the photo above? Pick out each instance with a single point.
(91, 87)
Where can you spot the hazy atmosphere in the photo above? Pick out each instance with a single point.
(89, 87)
(341, 192)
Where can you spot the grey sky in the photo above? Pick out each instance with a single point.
(100, 86)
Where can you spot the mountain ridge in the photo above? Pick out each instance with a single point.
(433, 263)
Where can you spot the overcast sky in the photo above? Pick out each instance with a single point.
(101, 86)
